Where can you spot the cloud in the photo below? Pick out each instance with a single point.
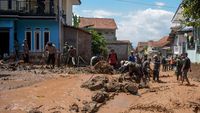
(160, 4)
(149, 24)
(99, 13)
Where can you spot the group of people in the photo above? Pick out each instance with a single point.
(141, 65)
(50, 54)
(134, 63)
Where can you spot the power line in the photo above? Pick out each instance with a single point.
(145, 4)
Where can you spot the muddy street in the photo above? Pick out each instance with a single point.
(56, 93)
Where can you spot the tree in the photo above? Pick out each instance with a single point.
(76, 20)
(191, 12)
(98, 43)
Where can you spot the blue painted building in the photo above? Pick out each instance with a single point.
(34, 20)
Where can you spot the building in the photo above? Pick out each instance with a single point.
(38, 21)
(81, 40)
(142, 47)
(186, 38)
(105, 26)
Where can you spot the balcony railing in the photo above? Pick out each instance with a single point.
(28, 7)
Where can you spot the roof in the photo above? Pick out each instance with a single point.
(67, 26)
(97, 23)
(76, 2)
(120, 42)
(160, 43)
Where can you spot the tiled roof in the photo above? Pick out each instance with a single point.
(120, 42)
(160, 43)
(97, 23)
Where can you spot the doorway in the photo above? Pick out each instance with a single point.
(4, 42)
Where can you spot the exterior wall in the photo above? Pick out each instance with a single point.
(67, 6)
(122, 50)
(51, 25)
(81, 40)
(9, 24)
(108, 34)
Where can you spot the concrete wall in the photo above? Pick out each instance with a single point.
(108, 34)
(122, 50)
(81, 40)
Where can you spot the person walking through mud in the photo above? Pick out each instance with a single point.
(156, 68)
(185, 68)
(25, 51)
(179, 64)
(164, 64)
(51, 49)
(112, 58)
(72, 56)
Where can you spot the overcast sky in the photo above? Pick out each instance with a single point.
(137, 20)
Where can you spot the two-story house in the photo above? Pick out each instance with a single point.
(107, 28)
(187, 38)
(37, 21)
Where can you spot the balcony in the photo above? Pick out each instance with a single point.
(28, 7)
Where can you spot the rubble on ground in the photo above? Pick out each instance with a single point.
(103, 67)
(74, 108)
(107, 88)
(100, 97)
(96, 83)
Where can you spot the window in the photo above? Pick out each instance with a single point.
(37, 40)
(28, 38)
(190, 43)
(9, 4)
(46, 37)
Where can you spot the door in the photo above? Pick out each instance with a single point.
(4, 42)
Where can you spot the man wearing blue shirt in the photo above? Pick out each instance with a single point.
(131, 57)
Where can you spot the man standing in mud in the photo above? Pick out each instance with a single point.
(185, 68)
(146, 69)
(65, 53)
(131, 58)
(26, 51)
(156, 68)
(51, 49)
(72, 56)
(112, 58)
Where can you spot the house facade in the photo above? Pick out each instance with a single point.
(187, 38)
(107, 28)
(37, 21)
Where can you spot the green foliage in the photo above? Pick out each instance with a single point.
(76, 20)
(191, 11)
(98, 43)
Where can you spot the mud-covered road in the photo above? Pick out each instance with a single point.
(54, 92)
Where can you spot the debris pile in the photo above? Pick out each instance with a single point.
(106, 88)
(103, 67)
(103, 83)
